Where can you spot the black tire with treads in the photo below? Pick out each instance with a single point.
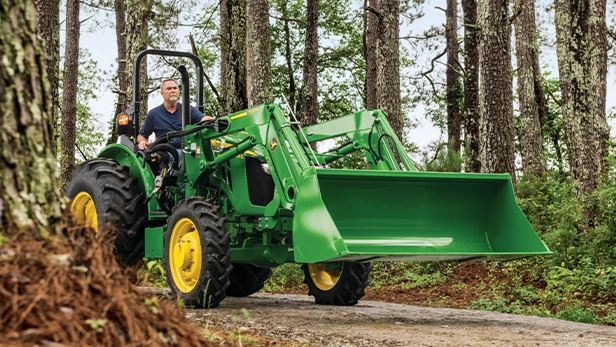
(349, 288)
(118, 202)
(199, 278)
(247, 279)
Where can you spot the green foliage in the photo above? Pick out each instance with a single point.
(441, 157)
(551, 206)
(284, 277)
(96, 324)
(408, 274)
(153, 273)
(553, 131)
(499, 304)
(152, 304)
(578, 314)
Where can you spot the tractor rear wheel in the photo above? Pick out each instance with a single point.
(247, 279)
(102, 193)
(339, 283)
(197, 253)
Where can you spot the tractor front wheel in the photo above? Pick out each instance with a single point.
(338, 283)
(102, 193)
(197, 253)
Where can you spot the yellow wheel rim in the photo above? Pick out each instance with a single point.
(84, 210)
(323, 278)
(185, 255)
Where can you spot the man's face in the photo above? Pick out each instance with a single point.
(170, 92)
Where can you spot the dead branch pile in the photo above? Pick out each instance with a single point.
(71, 292)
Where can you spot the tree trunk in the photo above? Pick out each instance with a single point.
(288, 57)
(531, 97)
(497, 150)
(388, 64)
(123, 78)
(454, 118)
(235, 92)
(310, 106)
(224, 54)
(582, 64)
(370, 41)
(48, 16)
(139, 13)
(69, 96)
(30, 198)
(260, 67)
(472, 137)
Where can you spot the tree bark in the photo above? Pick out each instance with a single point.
(48, 25)
(30, 198)
(235, 92)
(472, 137)
(581, 39)
(139, 13)
(260, 67)
(530, 90)
(370, 38)
(454, 118)
(388, 64)
(289, 58)
(224, 54)
(310, 106)
(123, 78)
(69, 96)
(496, 95)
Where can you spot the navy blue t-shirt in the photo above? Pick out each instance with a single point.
(160, 121)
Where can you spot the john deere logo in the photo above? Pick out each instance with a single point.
(273, 144)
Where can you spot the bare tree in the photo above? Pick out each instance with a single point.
(48, 25)
(259, 76)
(234, 93)
(138, 14)
(388, 63)
(581, 38)
(224, 54)
(496, 95)
(370, 41)
(530, 90)
(123, 78)
(471, 86)
(309, 103)
(454, 117)
(69, 96)
(30, 198)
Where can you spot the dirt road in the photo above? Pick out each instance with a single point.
(371, 323)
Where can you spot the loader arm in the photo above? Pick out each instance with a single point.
(391, 212)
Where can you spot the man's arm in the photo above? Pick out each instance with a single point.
(142, 142)
(197, 116)
(146, 129)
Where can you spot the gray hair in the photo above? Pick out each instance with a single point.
(167, 80)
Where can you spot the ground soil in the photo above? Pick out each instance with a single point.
(395, 317)
(289, 319)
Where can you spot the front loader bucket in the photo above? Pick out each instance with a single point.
(384, 215)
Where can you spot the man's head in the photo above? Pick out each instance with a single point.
(170, 91)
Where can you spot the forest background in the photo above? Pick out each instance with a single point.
(516, 87)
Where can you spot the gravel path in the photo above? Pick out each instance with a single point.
(372, 323)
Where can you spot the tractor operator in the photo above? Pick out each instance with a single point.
(167, 117)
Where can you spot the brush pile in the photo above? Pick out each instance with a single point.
(71, 292)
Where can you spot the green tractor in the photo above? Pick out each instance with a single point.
(253, 191)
